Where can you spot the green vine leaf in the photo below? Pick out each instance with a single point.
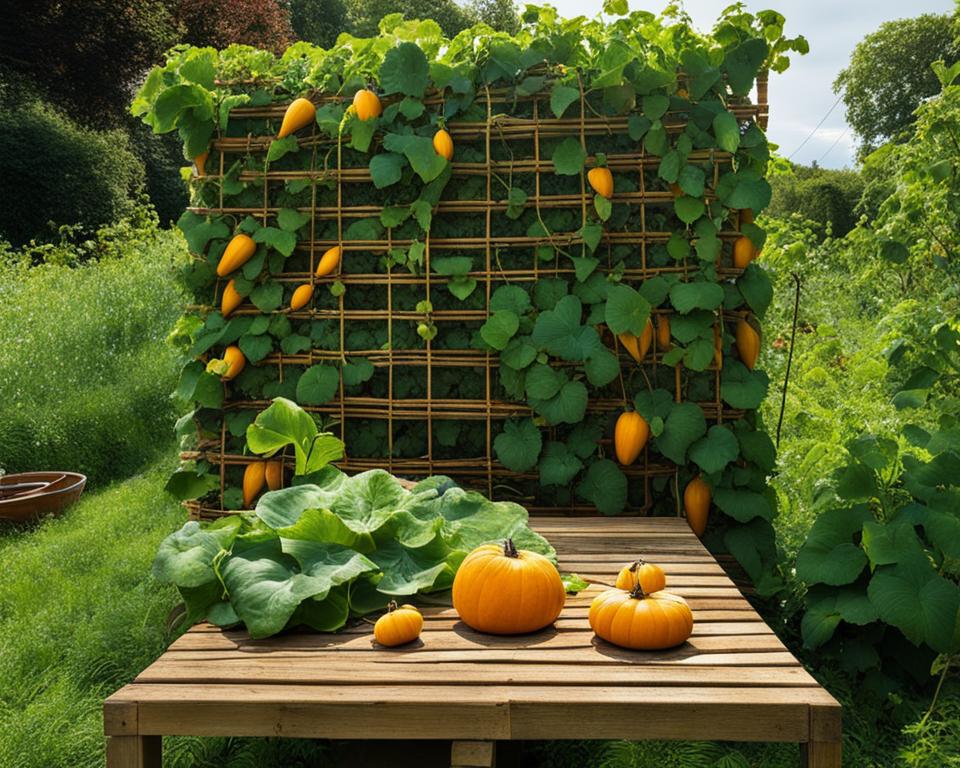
(626, 310)
(405, 70)
(569, 157)
(518, 445)
(604, 486)
(499, 329)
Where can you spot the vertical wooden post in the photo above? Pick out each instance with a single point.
(824, 748)
(134, 752)
(473, 754)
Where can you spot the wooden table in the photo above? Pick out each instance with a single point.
(733, 680)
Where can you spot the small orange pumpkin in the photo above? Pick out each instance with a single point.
(237, 253)
(629, 436)
(601, 180)
(235, 361)
(273, 473)
(253, 478)
(231, 299)
(503, 590)
(398, 626)
(329, 261)
(640, 621)
(650, 577)
(748, 343)
(299, 114)
(301, 297)
(743, 252)
(696, 505)
(366, 105)
(443, 144)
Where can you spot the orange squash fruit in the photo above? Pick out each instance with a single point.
(301, 297)
(366, 105)
(663, 333)
(273, 473)
(696, 505)
(329, 261)
(748, 343)
(398, 626)
(237, 253)
(230, 300)
(200, 163)
(503, 590)
(443, 144)
(641, 621)
(253, 478)
(235, 361)
(650, 577)
(630, 436)
(601, 180)
(743, 252)
(718, 347)
(299, 114)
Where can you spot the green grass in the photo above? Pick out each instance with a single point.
(85, 369)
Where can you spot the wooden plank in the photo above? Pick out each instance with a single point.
(821, 754)
(462, 712)
(330, 671)
(473, 754)
(722, 624)
(119, 717)
(134, 752)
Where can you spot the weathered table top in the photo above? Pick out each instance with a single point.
(733, 680)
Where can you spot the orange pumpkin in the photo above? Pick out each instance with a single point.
(235, 361)
(640, 621)
(301, 297)
(650, 577)
(663, 333)
(366, 105)
(253, 477)
(743, 252)
(273, 473)
(299, 114)
(748, 343)
(629, 436)
(503, 590)
(230, 300)
(237, 253)
(443, 144)
(398, 625)
(696, 504)
(329, 261)
(601, 180)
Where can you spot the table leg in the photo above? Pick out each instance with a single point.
(820, 754)
(134, 752)
(473, 754)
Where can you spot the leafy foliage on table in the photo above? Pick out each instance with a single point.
(555, 338)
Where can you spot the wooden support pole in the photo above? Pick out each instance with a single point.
(824, 748)
(473, 754)
(134, 752)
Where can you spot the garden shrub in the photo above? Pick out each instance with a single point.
(56, 172)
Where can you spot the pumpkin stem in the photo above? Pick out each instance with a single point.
(391, 606)
(510, 549)
(637, 592)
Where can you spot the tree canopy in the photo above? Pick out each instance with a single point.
(889, 76)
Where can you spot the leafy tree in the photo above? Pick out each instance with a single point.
(364, 15)
(261, 23)
(318, 21)
(828, 197)
(889, 76)
(499, 14)
(86, 54)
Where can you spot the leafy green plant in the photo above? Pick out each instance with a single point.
(680, 96)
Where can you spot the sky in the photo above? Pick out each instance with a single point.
(803, 95)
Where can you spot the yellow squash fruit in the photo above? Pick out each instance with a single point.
(398, 626)
(366, 105)
(748, 343)
(743, 252)
(650, 577)
(696, 504)
(274, 474)
(299, 114)
(601, 180)
(638, 346)
(230, 300)
(238, 252)
(663, 333)
(629, 436)
(443, 144)
(253, 479)
(329, 261)
(235, 361)
(200, 163)
(718, 347)
(301, 297)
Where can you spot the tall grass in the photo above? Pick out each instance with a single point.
(85, 371)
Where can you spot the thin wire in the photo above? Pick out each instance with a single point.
(837, 141)
(816, 127)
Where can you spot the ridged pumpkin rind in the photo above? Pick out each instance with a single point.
(398, 627)
(650, 623)
(651, 577)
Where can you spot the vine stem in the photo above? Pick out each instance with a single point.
(936, 694)
(793, 337)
